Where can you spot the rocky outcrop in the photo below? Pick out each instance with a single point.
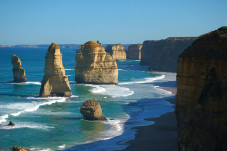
(18, 72)
(95, 66)
(134, 51)
(201, 101)
(54, 82)
(116, 51)
(15, 148)
(91, 110)
(162, 55)
(11, 124)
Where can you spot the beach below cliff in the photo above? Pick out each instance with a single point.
(160, 136)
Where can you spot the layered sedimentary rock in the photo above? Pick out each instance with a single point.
(162, 55)
(91, 110)
(18, 72)
(94, 65)
(201, 101)
(16, 148)
(116, 51)
(54, 82)
(134, 51)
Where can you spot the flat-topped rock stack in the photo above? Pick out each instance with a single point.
(95, 65)
(18, 72)
(134, 51)
(201, 100)
(162, 55)
(54, 82)
(117, 51)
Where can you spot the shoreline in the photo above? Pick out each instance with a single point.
(161, 136)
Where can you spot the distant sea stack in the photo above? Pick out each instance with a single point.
(54, 82)
(162, 55)
(117, 51)
(18, 72)
(134, 51)
(94, 65)
(201, 100)
(91, 110)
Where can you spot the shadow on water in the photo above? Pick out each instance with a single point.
(138, 112)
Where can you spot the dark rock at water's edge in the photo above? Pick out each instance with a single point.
(162, 55)
(117, 51)
(134, 51)
(91, 110)
(11, 124)
(18, 72)
(95, 65)
(54, 82)
(16, 148)
(201, 100)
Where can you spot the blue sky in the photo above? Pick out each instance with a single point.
(109, 21)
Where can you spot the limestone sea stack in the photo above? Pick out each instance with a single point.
(16, 148)
(162, 55)
(95, 66)
(18, 72)
(134, 51)
(91, 110)
(117, 51)
(201, 100)
(54, 82)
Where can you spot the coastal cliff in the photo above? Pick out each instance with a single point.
(162, 55)
(95, 65)
(18, 72)
(201, 100)
(116, 51)
(54, 82)
(134, 51)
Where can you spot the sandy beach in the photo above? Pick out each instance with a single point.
(162, 136)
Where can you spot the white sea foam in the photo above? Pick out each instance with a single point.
(26, 83)
(69, 75)
(74, 96)
(3, 118)
(26, 125)
(36, 107)
(145, 80)
(111, 90)
(69, 69)
(62, 146)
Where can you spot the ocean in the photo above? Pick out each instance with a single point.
(55, 123)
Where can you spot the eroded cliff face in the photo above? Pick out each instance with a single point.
(116, 51)
(134, 51)
(18, 72)
(95, 65)
(54, 82)
(201, 101)
(162, 55)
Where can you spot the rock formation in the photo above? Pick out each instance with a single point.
(201, 101)
(54, 82)
(11, 124)
(15, 148)
(95, 66)
(134, 51)
(162, 55)
(91, 110)
(116, 51)
(18, 72)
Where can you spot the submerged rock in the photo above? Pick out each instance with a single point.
(18, 72)
(16, 148)
(117, 51)
(54, 82)
(95, 66)
(11, 124)
(162, 55)
(91, 110)
(201, 100)
(134, 51)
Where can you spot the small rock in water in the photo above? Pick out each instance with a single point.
(91, 110)
(16, 148)
(11, 124)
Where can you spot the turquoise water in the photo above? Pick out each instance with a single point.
(56, 123)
